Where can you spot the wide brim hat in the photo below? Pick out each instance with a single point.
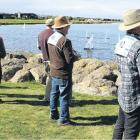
(49, 22)
(131, 20)
(60, 22)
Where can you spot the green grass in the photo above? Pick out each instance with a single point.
(21, 21)
(24, 117)
(42, 21)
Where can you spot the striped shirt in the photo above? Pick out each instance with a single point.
(127, 56)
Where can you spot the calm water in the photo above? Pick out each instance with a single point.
(24, 38)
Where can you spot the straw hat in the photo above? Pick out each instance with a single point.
(60, 22)
(131, 19)
(49, 22)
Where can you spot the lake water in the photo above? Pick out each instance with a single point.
(20, 38)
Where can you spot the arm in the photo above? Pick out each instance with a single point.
(138, 61)
(2, 49)
(43, 46)
(38, 44)
(68, 52)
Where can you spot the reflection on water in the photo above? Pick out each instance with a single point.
(23, 38)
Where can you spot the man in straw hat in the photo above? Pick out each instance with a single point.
(42, 45)
(127, 54)
(61, 58)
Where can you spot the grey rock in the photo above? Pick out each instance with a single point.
(90, 76)
(9, 71)
(11, 66)
(22, 76)
(38, 73)
(95, 77)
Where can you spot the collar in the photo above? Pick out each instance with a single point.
(60, 32)
(134, 35)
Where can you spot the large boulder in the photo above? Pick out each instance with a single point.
(84, 67)
(17, 67)
(18, 56)
(9, 71)
(38, 73)
(13, 61)
(22, 76)
(95, 77)
(37, 59)
(10, 67)
(90, 76)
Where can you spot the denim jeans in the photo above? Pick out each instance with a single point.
(60, 91)
(127, 126)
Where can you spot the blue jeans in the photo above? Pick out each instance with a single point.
(60, 91)
(127, 126)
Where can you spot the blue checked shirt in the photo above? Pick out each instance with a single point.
(127, 56)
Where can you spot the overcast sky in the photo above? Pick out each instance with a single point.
(77, 8)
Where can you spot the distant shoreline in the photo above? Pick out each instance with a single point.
(42, 21)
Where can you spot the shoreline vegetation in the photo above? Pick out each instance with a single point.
(42, 21)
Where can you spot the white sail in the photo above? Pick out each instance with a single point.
(89, 44)
(24, 26)
(89, 47)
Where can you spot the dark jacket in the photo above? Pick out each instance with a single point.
(2, 55)
(2, 48)
(42, 42)
(61, 58)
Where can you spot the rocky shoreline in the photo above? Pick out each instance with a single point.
(90, 76)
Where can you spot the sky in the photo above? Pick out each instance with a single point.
(74, 8)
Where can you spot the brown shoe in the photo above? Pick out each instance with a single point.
(66, 123)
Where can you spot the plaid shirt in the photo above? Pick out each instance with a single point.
(127, 56)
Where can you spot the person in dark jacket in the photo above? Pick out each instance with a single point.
(61, 58)
(43, 46)
(2, 55)
(127, 56)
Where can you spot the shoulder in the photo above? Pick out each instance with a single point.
(68, 40)
(56, 38)
(45, 33)
(68, 43)
(125, 45)
(42, 32)
(1, 39)
(129, 39)
(135, 43)
(64, 41)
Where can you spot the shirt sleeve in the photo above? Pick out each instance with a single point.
(70, 54)
(2, 49)
(38, 44)
(138, 61)
(42, 46)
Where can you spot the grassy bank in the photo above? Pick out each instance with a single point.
(21, 21)
(42, 21)
(24, 117)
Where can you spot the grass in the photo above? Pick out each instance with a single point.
(24, 117)
(21, 21)
(42, 21)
